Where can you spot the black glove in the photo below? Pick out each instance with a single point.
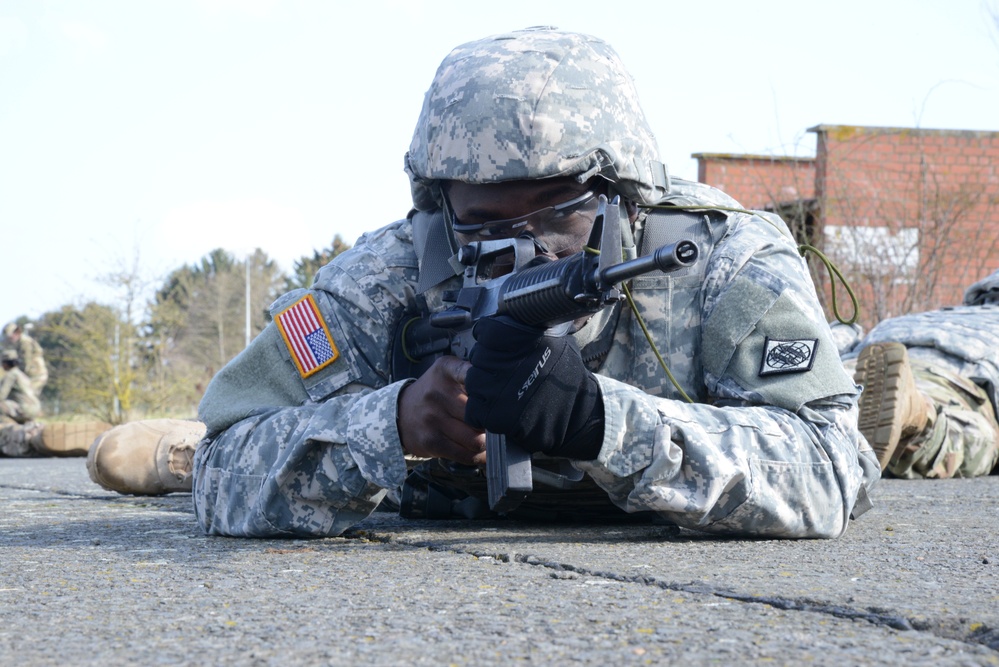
(534, 389)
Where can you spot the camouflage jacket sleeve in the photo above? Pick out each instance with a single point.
(770, 445)
(7, 382)
(15, 386)
(302, 434)
(32, 359)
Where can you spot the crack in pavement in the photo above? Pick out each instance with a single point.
(981, 635)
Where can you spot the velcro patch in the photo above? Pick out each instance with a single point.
(307, 336)
(788, 356)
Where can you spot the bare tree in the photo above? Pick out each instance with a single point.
(197, 321)
(908, 216)
(134, 358)
(910, 237)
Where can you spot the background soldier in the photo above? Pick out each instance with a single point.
(18, 403)
(31, 358)
(931, 388)
(20, 434)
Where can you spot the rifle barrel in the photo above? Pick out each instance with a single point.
(667, 258)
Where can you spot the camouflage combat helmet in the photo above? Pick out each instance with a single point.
(535, 103)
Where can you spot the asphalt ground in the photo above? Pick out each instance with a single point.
(90, 577)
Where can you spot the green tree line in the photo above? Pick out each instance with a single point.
(130, 360)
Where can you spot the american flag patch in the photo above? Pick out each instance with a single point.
(306, 336)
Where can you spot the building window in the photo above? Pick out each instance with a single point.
(875, 251)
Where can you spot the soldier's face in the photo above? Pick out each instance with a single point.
(558, 211)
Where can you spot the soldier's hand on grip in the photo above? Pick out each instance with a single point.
(431, 415)
(534, 389)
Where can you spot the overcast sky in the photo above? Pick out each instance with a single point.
(161, 130)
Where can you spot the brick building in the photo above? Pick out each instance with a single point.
(910, 216)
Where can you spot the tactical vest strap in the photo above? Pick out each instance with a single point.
(668, 225)
(434, 249)
(660, 175)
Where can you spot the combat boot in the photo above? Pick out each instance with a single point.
(891, 408)
(146, 458)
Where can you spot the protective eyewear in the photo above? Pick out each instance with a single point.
(543, 219)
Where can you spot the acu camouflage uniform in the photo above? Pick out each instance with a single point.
(31, 359)
(954, 355)
(22, 440)
(770, 446)
(18, 402)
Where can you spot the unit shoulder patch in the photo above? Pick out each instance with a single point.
(788, 356)
(308, 338)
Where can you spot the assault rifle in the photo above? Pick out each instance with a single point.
(545, 294)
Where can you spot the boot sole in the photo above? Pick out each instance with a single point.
(879, 371)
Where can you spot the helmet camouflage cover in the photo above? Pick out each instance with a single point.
(531, 104)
